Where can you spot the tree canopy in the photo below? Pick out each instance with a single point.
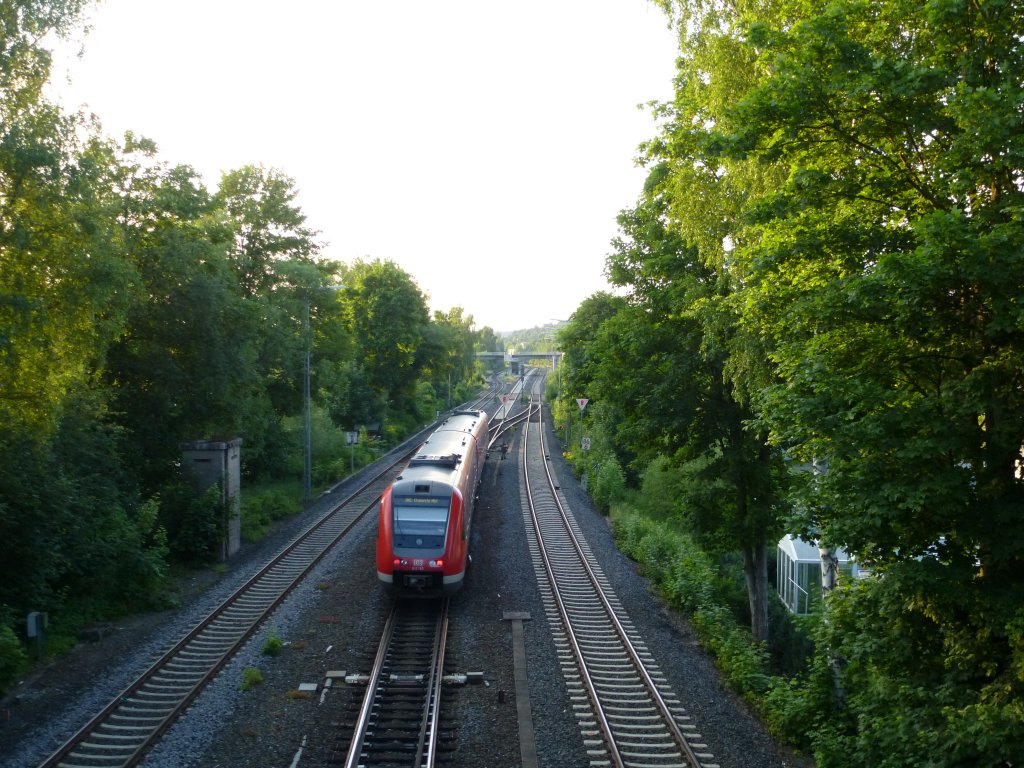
(833, 214)
(140, 310)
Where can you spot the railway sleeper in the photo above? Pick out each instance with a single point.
(138, 729)
(599, 657)
(162, 687)
(115, 741)
(129, 710)
(188, 658)
(398, 718)
(158, 696)
(617, 703)
(210, 643)
(396, 736)
(629, 714)
(223, 634)
(664, 745)
(118, 737)
(185, 680)
(135, 715)
(644, 761)
(106, 747)
(618, 685)
(661, 740)
(652, 726)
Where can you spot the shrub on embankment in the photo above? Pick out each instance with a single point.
(773, 680)
(690, 581)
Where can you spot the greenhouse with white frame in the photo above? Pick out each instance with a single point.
(798, 572)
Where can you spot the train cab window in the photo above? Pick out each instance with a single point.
(421, 527)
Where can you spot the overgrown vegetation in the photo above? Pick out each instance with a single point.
(251, 677)
(140, 310)
(272, 645)
(823, 270)
(693, 583)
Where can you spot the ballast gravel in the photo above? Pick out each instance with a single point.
(329, 629)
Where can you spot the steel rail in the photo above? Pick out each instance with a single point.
(506, 424)
(427, 748)
(603, 724)
(363, 720)
(612, 615)
(384, 681)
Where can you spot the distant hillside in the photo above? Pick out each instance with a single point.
(539, 339)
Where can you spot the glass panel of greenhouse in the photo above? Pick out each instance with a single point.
(798, 573)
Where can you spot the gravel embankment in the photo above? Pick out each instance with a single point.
(333, 623)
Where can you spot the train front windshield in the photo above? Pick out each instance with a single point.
(422, 526)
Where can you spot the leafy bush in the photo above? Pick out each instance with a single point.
(798, 708)
(328, 446)
(13, 659)
(847, 689)
(268, 445)
(687, 578)
(140, 568)
(659, 489)
(426, 403)
(895, 688)
(272, 645)
(195, 523)
(466, 391)
(261, 507)
(609, 483)
(251, 677)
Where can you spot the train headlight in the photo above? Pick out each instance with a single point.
(437, 563)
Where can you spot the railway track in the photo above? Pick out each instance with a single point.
(399, 722)
(627, 713)
(121, 734)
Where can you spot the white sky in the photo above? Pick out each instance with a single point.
(476, 144)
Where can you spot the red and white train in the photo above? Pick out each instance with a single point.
(426, 513)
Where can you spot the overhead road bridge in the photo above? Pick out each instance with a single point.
(521, 357)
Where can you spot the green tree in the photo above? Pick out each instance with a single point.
(266, 224)
(185, 363)
(57, 309)
(449, 354)
(577, 338)
(293, 318)
(340, 382)
(74, 288)
(387, 315)
(274, 256)
(675, 340)
(881, 275)
(24, 61)
(109, 546)
(346, 394)
(66, 503)
(488, 340)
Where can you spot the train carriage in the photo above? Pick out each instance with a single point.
(427, 512)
